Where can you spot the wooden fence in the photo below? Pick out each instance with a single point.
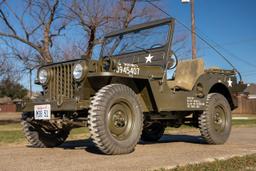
(9, 107)
(245, 105)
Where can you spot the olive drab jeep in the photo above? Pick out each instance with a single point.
(125, 95)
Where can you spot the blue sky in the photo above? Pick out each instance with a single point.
(229, 23)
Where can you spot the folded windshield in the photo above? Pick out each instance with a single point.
(139, 40)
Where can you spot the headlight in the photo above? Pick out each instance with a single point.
(78, 71)
(43, 76)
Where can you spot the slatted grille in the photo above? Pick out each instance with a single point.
(61, 82)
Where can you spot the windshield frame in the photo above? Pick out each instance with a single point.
(144, 26)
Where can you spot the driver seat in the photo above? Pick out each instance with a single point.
(187, 73)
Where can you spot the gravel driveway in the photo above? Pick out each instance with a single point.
(172, 150)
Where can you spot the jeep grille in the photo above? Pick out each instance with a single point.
(61, 82)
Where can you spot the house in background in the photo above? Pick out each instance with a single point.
(247, 101)
(7, 105)
(251, 91)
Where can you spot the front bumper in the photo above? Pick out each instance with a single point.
(67, 105)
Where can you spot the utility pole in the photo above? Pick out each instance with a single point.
(193, 35)
(193, 29)
(30, 83)
(30, 69)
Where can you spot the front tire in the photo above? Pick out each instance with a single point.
(215, 121)
(115, 119)
(41, 138)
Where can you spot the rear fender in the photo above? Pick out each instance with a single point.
(217, 83)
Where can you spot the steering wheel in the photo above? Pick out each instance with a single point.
(106, 63)
(157, 45)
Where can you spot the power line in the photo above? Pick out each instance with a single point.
(228, 51)
(249, 71)
(242, 41)
(200, 37)
(233, 56)
(250, 74)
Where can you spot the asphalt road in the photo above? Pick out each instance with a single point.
(172, 150)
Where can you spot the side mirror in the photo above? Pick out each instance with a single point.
(172, 61)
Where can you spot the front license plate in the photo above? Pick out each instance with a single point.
(42, 112)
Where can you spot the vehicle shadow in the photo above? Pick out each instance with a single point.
(85, 144)
(88, 145)
(167, 138)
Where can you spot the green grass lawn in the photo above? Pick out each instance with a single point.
(79, 133)
(245, 163)
(11, 134)
(249, 122)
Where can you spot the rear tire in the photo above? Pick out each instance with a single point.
(153, 132)
(215, 121)
(115, 119)
(41, 138)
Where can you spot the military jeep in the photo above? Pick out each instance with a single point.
(126, 94)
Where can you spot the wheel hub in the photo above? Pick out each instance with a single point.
(119, 119)
(219, 119)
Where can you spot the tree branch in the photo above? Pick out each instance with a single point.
(4, 18)
(21, 40)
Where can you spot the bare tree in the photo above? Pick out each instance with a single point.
(100, 16)
(2, 65)
(90, 16)
(2, 1)
(35, 26)
(8, 70)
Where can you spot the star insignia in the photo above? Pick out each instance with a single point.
(230, 82)
(149, 58)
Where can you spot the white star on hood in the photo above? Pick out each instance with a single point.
(149, 58)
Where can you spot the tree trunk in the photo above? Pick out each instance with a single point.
(46, 44)
(88, 53)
